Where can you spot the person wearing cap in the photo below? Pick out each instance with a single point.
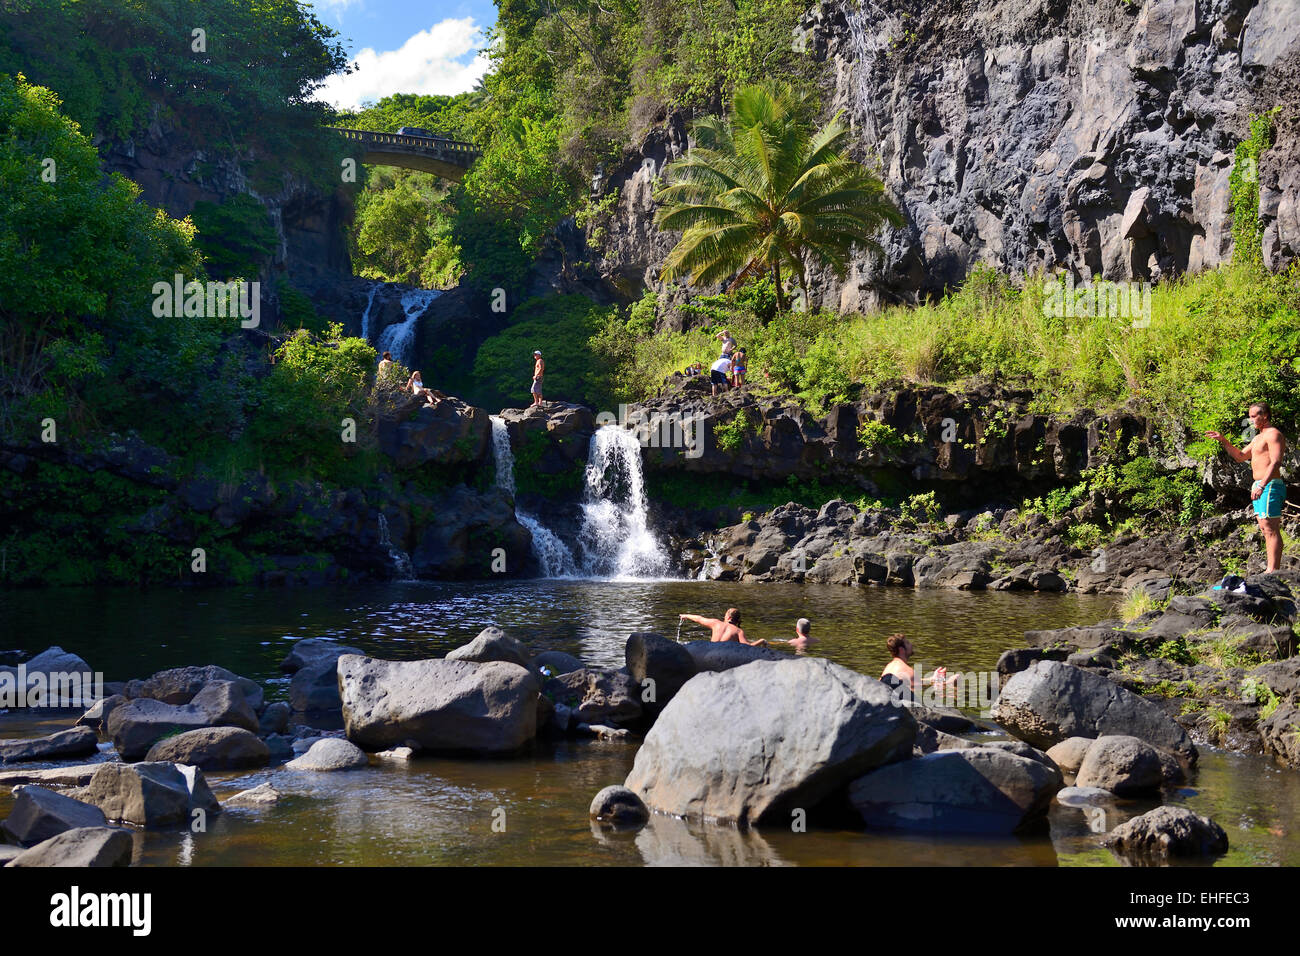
(539, 367)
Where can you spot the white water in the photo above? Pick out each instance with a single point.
(399, 338)
(401, 560)
(365, 316)
(553, 556)
(616, 540)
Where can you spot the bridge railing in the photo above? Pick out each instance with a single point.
(426, 143)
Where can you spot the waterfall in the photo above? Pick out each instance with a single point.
(616, 539)
(553, 557)
(365, 316)
(401, 561)
(399, 338)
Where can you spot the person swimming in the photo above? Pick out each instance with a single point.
(899, 676)
(728, 629)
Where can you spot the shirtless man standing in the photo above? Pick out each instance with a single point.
(1265, 453)
(539, 369)
(727, 629)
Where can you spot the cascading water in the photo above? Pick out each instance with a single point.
(399, 338)
(365, 316)
(553, 557)
(402, 566)
(616, 539)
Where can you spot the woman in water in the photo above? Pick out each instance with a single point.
(898, 675)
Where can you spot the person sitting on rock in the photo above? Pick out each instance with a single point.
(384, 365)
(415, 385)
(899, 676)
(802, 639)
(728, 629)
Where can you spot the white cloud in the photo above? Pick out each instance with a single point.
(335, 7)
(426, 63)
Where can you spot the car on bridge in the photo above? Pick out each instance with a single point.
(414, 131)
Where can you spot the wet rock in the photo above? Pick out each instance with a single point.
(716, 656)
(61, 745)
(397, 755)
(279, 748)
(655, 662)
(557, 662)
(596, 696)
(80, 847)
(212, 748)
(315, 688)
(139, 724)
(1165, 832)
(1051, 701)
(619, 806)
(947, 719)
(969, 790)
(1069, 753)
(439, 705)
(722, 750)
(1278, 734)
(274, 719)
(452, 546)
(331, 753)
(493, 644)
(263, 795)
(40, 813)
(181, 685)
(314, 650)
(1123, 765)
(150, 794)
(1084, 797)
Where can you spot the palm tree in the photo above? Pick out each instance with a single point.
(763, 191)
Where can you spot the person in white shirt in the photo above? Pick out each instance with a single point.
(720, 374)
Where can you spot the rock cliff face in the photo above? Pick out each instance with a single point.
(1090, 135)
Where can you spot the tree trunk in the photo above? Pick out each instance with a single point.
(780, 292)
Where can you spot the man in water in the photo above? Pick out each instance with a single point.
(802, 639)
(539, 369)
(1268, 492)
(728, 629)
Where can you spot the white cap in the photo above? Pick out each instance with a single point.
(536, 352)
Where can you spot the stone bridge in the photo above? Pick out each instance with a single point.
(447, 158)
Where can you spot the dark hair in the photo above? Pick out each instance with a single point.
(389, 356)
(895, 643)
(1263, 407)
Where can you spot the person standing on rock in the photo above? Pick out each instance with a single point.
(728, 343)
(728, 629)
(1268, 492)
(539, 369)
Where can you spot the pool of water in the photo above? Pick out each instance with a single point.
(532, 809)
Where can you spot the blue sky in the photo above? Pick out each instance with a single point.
(406, 46)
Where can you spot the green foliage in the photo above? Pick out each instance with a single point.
(404, 230)
(1243, 186)
(297, 311)
(120, 65)
(1136, 603)
(1084, 535)
(1176, 651)
(921, 509)
(562, 327)
(874, 434)
(447, 116)
(1256, 691)
(729, 436)
(763, 191)
(235, 237)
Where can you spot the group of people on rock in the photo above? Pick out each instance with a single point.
(898, 675)
(729, 369)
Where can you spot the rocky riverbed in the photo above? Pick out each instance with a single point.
(724, 735)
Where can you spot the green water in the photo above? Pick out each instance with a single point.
(533, 809)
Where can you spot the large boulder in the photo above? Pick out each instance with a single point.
(76, 742)
(718, 656)
(438, 705)
(212, 748)
(754, 743)
(557, 662)
(149, 794)
(80, 847)
(39, 814)
(139, 724)
(596, 696)
(1051, 701)
(1069, 753)
(965, 790)
(1165, 832)
(619, 806)
(450, 432)
(180, 685)
(1123, 765)
(314, 650)
(658, 663)
(96, 717)
(332, 753)
(493, 644)
(53, 678)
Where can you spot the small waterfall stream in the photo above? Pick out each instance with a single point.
(616, 539)
(402, 566)
(553, 556)
(398, 338)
